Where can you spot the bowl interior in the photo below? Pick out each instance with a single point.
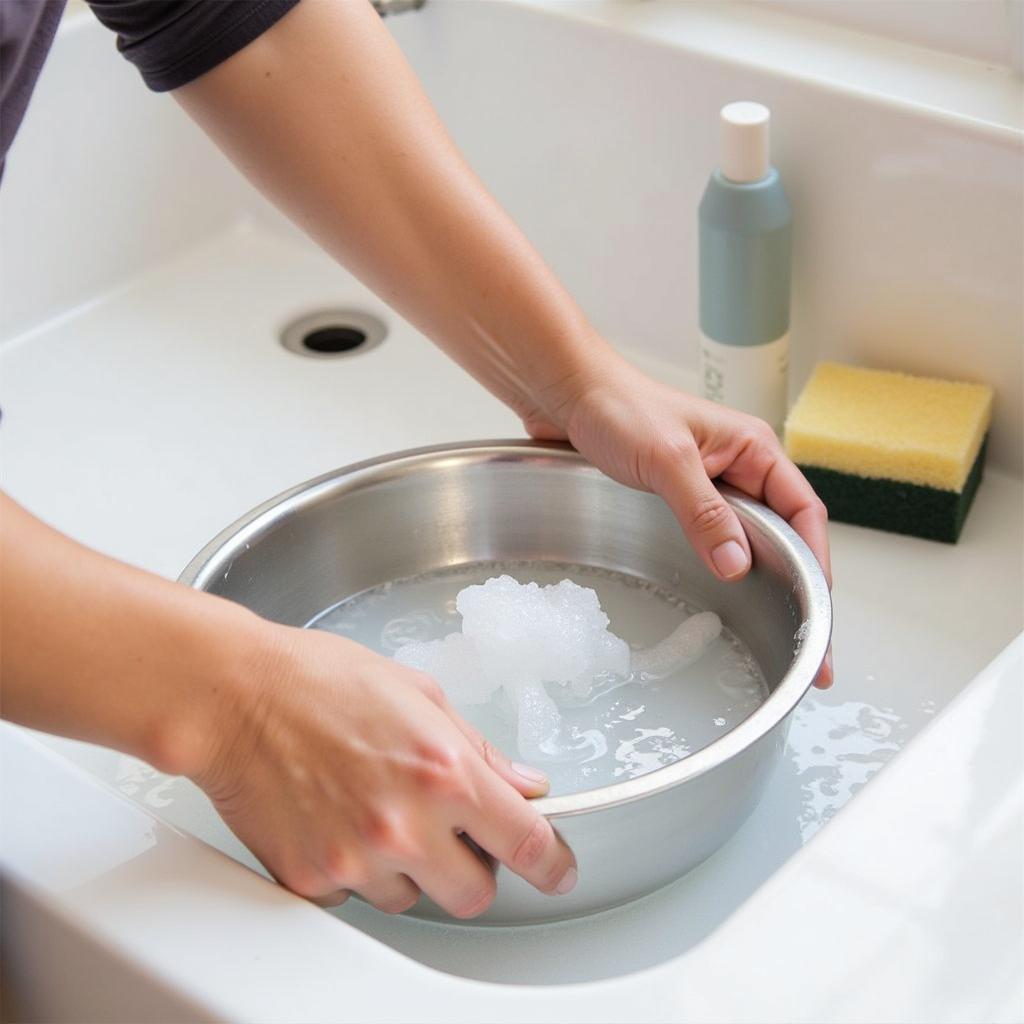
(327, 540)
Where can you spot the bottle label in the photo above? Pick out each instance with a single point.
(751, 378)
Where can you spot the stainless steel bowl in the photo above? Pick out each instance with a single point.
(403, 514)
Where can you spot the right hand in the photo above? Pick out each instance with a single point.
(345, 772)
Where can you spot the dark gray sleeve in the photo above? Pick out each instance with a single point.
(172, 42)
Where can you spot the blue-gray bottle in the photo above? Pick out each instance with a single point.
(745, 272)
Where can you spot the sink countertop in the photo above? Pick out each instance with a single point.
(906, 907)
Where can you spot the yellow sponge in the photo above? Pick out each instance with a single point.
(889, 426)
(890, 451)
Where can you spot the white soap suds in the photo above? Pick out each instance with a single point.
(539, 723)
(519, 638)
(552, 634)
(454, 662)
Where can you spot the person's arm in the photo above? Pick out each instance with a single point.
(341, 770)
(324, 115)
(106, 653)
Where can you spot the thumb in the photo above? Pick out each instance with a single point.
(529, 781)
(705, 516)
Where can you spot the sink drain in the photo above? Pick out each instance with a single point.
(333, 333)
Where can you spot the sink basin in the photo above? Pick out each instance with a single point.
(148, 401)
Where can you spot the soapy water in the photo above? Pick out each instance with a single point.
(538, 646)
(593, 684)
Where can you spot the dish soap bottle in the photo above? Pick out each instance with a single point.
(745, 272)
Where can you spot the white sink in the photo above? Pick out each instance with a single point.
(165, 407)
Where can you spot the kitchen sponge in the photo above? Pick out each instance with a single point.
(889, 450)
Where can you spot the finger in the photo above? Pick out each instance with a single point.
(333, 899)
(766, 474)
(826, 674)
(307, 878)
(455, 878)
(529, 781)
(486, 859)
(526, 779)
(705, 516)
(390, 893)
(770, 477)
(787, 491)
(511, 829)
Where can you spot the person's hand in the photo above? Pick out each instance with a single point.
(346, 772)
(330, 75)
(652, 437)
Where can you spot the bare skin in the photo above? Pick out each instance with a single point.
(341, 770)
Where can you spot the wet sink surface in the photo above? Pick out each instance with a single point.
(88, 405)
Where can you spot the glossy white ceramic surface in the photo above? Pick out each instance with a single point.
(883, 919)
(188, 281)
(82, 407)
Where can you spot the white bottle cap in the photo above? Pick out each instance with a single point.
(745, 141)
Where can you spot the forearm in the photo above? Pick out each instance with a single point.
(325, 116)
(99, 651)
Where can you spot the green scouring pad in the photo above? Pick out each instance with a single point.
(891, 451)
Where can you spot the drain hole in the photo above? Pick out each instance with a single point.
(334, 339)
(332, 333)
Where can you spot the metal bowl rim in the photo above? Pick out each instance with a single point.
(808, 577)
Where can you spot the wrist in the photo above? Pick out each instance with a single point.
(584, 364)
(216, 681)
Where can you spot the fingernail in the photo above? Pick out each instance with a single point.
(530, 774)
(568, 882)
(730, 559)
(826, 676)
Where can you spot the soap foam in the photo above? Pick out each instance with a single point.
(528, 633)
(517, 637)
(455, 663)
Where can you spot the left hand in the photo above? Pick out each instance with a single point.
(654, 438)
